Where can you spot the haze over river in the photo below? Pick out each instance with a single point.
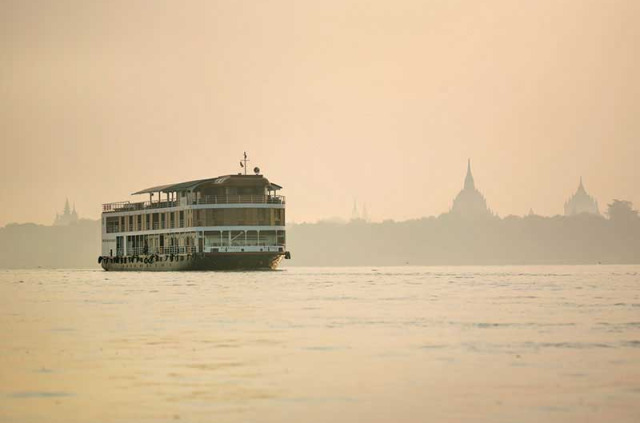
(401, 344)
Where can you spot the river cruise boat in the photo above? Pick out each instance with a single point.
(231, 222)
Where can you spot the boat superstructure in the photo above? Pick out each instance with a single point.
(223, 223)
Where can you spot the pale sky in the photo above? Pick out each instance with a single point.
(335, 100)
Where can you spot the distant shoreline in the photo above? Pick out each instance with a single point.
(434, 241)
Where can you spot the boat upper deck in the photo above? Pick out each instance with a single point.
(228, 189)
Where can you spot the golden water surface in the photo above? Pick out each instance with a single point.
(494, 344)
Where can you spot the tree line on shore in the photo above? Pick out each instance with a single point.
(451, 240)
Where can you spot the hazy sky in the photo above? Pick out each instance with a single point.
(334, 100)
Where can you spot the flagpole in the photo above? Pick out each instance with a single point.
(243, 163)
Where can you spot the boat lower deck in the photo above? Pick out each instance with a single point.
(198, 261)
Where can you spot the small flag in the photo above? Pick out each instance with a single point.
(241, 165)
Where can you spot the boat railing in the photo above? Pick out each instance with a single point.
(142, 251)
(245, 244)
(126, 206)
(241, 199)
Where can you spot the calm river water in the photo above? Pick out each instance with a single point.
(407, 344)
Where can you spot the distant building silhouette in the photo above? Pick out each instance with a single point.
(581, 202)
(357, 216)
(470, 203)
(67, 217)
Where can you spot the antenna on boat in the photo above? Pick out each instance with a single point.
(243, 163)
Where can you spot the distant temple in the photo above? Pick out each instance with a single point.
(357, 216)
(470, 203)
(67, 217)
(580, 203)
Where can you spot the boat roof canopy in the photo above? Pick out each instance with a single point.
(220, 180)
